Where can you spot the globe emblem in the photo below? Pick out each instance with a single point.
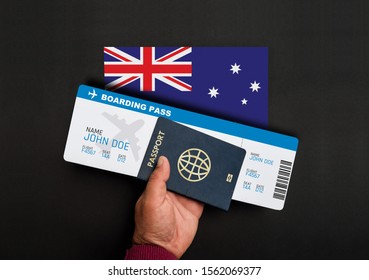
(194, 165)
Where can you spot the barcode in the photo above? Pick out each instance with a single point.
(283, 178)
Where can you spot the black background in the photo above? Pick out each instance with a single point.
(318, 92)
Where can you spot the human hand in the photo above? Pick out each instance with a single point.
(164, 218)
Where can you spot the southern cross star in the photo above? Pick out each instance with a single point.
(235, 68)
(255, 86)
(213, 92)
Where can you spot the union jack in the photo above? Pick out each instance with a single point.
(147, 68)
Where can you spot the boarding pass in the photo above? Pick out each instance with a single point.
(113, 132)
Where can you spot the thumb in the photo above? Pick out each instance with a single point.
(156, 187)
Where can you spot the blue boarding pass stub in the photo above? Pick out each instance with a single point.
(112, 131)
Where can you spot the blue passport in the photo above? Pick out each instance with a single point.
(203, 168)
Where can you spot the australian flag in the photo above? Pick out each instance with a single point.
(225, 82)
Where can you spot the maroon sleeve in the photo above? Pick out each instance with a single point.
(148, 252)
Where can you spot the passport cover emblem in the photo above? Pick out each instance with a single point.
(194, 165)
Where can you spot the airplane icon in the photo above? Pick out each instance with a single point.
(93, 94)
(127, 132)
